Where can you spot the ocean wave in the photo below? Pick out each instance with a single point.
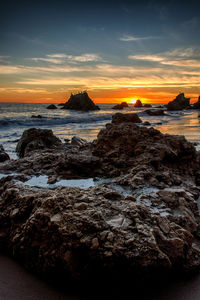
(45, 121)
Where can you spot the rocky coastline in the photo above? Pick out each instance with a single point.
(144, 220)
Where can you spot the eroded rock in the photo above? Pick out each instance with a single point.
(34, 139)
(3, 155)
(179, 103)
(80, 101)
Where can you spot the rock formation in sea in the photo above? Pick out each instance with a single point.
(80, 101)
(179, 103)
(125, 118)
(120, 106)
(51, 106)
(144, 219)
(196, 105)
(155, 112)
(147, 105)
(138, 104)
(3, 155)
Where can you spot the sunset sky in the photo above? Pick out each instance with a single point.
(116, 50)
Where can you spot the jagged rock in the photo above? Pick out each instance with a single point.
(122, 118)
(120, 106)
(51, 106)
(77, 141)
(34, 139)
(141, 223)
(57, 232)
(196, 105)
(155, 112)
(179, 103)
(3, 155)
(147, 105)
(138, 104)
(80, 101)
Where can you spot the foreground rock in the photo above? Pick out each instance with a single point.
(51, 106)
(120, 106)
(99, 232)
(179, 103)
(3, 155)
(80, 101)
(145, 221)
(138, 104)
(33, 139)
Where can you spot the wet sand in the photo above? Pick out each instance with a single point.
(18, 284)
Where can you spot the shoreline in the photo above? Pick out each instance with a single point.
(101, 230)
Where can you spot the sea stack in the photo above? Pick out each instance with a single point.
(80, 101)
(179, 103)
(120, 106)
(138, 104)
(196, 105)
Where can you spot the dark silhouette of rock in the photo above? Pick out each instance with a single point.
(179, 103)
(80, 101)
(123, 118)
(37, 117)
(155, 112)
(196, 105)
(147, 105)
(34, 139)
(51, 106)
(146, 123)
(120, 106)
(138, 104)
(3, 155)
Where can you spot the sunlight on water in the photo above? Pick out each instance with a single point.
(17, 117)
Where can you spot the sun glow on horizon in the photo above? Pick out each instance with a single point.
(132, 101)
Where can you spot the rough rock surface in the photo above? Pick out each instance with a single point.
(80, 101)
(179, 103)
(196, 105)
(121, 118)
(85, 232)
(3, 155)
(138, 104)
(51, 106)
(155, 112)
(33, 139)
(120, 106)
(146, 219)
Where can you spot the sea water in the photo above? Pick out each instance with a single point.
(17, 117)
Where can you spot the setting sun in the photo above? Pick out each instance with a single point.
(133, 101)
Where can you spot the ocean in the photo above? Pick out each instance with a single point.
(17, 117)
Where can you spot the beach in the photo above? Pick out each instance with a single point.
(126, 201)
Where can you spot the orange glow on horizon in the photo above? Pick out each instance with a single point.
(99, 96)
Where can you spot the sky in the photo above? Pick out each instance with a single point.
(117, 51)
